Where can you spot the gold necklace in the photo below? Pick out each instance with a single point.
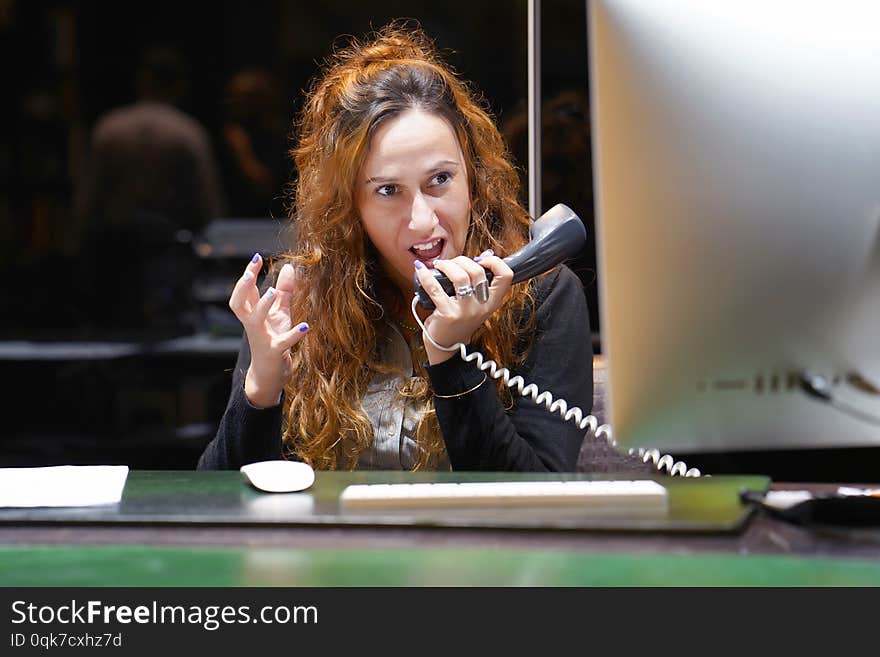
(415, 339)
(409, 327)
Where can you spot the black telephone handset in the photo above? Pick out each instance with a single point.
(556, 236)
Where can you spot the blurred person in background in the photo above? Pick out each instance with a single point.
(566, 174)
(255, 165)
(152, 182)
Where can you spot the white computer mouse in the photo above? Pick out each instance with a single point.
(279, 476)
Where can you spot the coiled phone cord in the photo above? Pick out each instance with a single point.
(575, 414)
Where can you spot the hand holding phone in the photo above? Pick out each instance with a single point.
(557, 235)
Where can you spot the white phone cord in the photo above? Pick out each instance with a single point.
(560, 406)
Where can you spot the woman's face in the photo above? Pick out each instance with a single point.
(413, 194)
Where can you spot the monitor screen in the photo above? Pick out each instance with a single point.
(736, 151)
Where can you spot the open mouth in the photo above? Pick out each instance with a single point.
(427, 252)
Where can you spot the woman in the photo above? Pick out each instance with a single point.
(400, 170)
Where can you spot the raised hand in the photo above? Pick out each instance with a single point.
(455, 319)
(270, 331)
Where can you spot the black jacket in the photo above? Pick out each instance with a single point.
(479, 433)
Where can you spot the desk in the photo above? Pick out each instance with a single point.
(210, 529)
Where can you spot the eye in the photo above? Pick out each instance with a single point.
(440, 179)
(386, 190)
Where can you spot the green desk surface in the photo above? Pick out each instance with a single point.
(223, 498)
(59, 566)
(699, 542)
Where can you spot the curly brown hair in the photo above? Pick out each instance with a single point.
(341, 284)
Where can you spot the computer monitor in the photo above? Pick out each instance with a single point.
(736, 154)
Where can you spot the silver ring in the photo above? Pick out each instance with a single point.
(462, 291)
(481, 291)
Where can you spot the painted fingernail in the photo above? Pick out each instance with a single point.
(248, 275)
(255, 259)
(487, 252)
(270, 293)
(478, 258)
(302, 328)
(419, 265)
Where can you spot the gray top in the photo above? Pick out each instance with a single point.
(393, 417)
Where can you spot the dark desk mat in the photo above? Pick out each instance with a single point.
(709, 504)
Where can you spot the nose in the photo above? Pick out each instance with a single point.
(422, 216)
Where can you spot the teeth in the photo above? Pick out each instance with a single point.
(426, 247)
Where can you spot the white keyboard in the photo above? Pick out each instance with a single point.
(641, 495)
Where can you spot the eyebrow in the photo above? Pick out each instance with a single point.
(437, 166)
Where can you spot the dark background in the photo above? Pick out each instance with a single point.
(67, 63)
